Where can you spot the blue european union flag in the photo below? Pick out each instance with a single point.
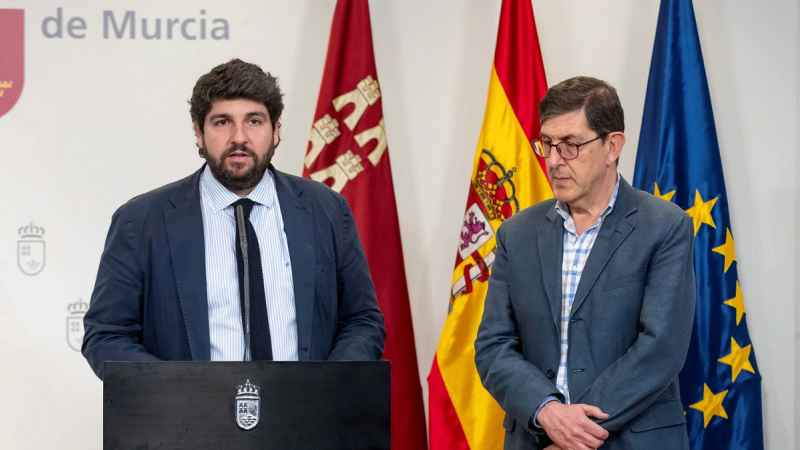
(678, 160)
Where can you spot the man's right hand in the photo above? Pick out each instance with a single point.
(569, 426)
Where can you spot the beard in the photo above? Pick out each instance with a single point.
(235, 176)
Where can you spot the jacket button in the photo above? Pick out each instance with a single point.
(550, 373)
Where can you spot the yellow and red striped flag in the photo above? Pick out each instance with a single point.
(506, 178)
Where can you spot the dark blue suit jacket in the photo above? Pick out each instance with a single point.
(150, 303)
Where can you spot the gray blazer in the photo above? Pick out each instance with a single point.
(629, 329)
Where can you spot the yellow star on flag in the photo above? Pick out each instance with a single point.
(737, 303)
(701, 211)
(738, 359)
(727, 250)
(667, 196)
(711, 405)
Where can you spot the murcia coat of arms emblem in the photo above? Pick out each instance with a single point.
(75, 330)
(30, 249)
(248, 406)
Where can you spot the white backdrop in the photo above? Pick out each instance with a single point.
(103, 119)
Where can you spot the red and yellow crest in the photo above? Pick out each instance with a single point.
(495, 187)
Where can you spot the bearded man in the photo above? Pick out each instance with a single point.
(171, 278)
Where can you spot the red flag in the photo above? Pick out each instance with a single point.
(348, 151)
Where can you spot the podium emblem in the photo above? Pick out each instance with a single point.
(248, 405)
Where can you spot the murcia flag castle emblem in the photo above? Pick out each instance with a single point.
(348, 149)
(248, 406)
(12, 57)
(30, 249)
(75, 313)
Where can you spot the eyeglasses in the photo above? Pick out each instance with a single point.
(567, 150)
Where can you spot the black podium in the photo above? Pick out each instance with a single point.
(246, 405)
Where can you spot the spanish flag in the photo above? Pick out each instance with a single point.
(507, 177)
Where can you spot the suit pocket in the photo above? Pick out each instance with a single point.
(663, 413)
(629, 279)
(325, 263)
(508, 422)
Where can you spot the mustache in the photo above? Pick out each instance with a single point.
(241, 148)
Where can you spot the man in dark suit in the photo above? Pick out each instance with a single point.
(589, 311)
(169, 284)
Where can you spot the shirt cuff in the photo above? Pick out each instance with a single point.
(547, 400)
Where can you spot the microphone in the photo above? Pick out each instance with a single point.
(246, 290)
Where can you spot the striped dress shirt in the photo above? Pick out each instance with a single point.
(576, 252)
(225, 328)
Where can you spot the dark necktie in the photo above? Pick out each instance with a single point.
(260, 342)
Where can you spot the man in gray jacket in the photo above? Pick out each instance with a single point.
(589, 312)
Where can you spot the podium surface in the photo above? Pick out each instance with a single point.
(209, 405)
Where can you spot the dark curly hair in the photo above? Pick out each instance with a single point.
(233, 80)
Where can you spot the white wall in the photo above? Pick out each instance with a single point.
(797, 252)
(103, 120)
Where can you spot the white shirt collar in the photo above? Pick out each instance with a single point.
(219, 197)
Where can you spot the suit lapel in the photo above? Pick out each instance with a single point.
(551, 241)
(616, 227)
(298, 224)
(186, 239)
